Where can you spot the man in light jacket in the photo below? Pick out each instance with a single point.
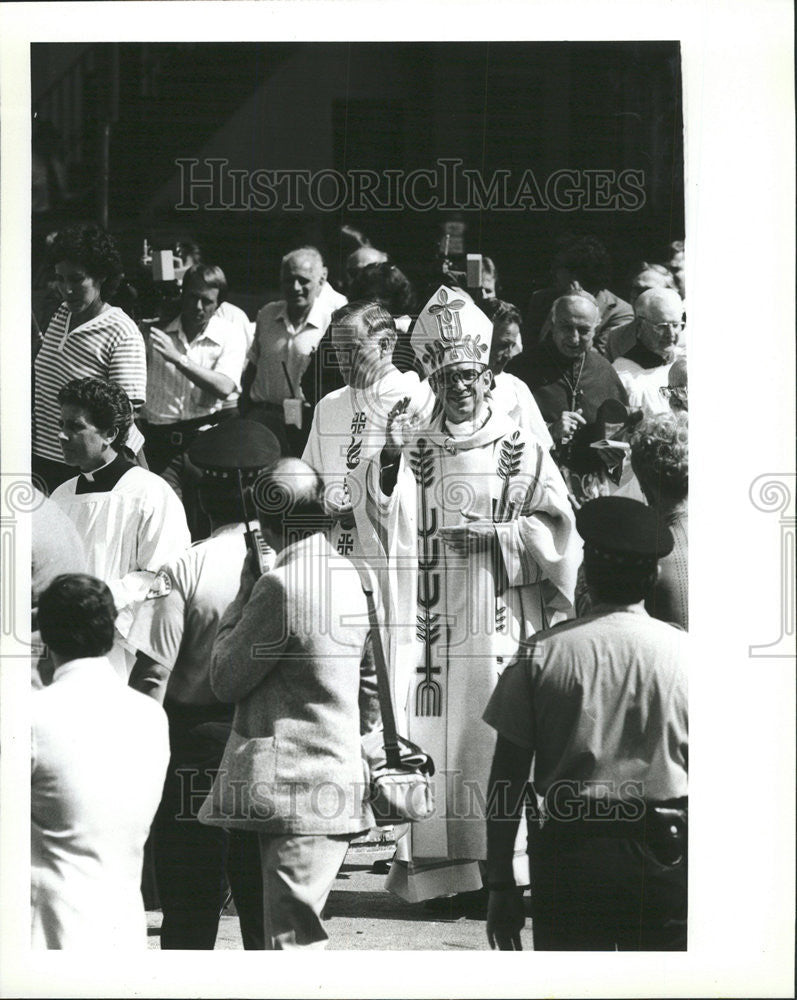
(290, 651)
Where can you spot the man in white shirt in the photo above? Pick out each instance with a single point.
(323, 375)
(644, 367)
(194, 369)
(286, 334)
(98, 759)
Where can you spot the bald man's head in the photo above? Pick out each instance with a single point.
(307, 255)
(574, 320)
(660, 314)
(360, 258)
(653, 302)
(301, 276)
(289, 497)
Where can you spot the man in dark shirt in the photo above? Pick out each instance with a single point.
(570, 381)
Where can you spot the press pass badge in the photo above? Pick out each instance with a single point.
(292, 411)
(291, 407)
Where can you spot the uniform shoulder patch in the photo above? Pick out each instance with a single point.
(160, 586)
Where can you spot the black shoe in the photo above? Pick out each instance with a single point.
(463, 904)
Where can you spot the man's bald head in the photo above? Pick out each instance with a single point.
(289, 497)
(360, 258)
(574, 318)
(653, 303)
(660, 313)
(582, 301)
(301, 276)
(305, 255)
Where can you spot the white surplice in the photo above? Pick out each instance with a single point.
(129, 532)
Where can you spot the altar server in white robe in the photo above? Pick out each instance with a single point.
(131, 521)
(482, 552)
(349, 424)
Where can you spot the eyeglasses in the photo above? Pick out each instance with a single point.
(467, 376)
(666, 327)
(678, 391)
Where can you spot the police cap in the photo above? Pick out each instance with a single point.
(623, 529)
(232, 445)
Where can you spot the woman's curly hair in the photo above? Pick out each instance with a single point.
(660, 456)
(92, 248)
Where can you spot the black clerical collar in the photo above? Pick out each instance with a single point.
(644, 357)
(104, 479)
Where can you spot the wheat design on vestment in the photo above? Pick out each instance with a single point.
(428, 694)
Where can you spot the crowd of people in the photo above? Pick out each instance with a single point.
(219, 494)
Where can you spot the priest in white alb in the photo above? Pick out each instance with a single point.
(349, 424)
(482, 552)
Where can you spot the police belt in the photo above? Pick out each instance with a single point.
(622, 819)
(661, 826)
(182, 432)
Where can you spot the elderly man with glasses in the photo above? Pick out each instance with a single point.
(644, 367)
(482, 554)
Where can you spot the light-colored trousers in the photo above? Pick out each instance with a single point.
(298, 873)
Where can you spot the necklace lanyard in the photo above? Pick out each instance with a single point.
(572, 385)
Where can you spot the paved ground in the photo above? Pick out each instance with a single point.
(361, 916)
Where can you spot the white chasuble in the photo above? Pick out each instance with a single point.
(456, 621)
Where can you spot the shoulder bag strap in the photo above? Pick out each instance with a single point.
(383, 686)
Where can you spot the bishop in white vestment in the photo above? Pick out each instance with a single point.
(481, 552)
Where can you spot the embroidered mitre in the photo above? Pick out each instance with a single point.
(450, 329)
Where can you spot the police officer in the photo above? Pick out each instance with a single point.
(601, 705)
(174, 632)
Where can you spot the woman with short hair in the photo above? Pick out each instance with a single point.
(86, 338)
(660, 460)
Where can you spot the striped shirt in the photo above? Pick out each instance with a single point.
(109, 346)
(171, 396)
